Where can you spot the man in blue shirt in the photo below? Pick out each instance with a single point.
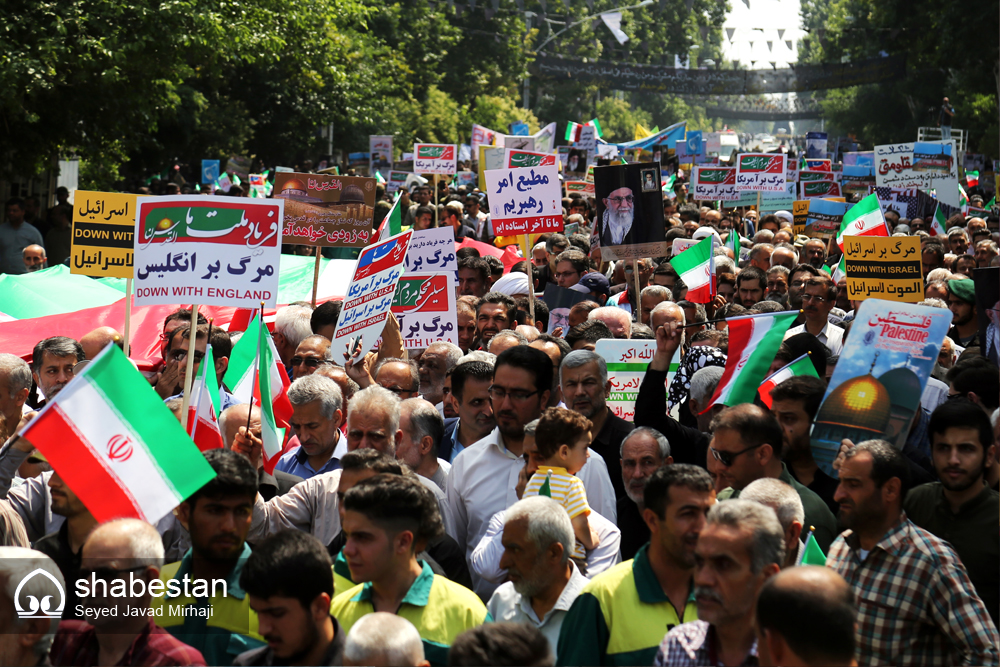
(316, 417)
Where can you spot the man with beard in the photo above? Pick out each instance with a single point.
(961, 508)
(643, 452)
(962, 303)
(52, 363)
(317, 413)
(583, 377)
(750, 285)
(217, 516)
(741, 546)
(795, 403)
(473, 276)
(311, 353)
(484, 477)
(433, 365)
(818, 298)
(618, 216)
(289, 582)
(619, 617)
(494, 313)
(466, 316)
(543, 581)
(916, 605)
(814, 253)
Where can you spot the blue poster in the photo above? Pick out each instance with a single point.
(876, 387)
(209, 171)
(519, 129)
(694, 145)
(815, 145)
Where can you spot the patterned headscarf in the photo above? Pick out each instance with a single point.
(696, 358)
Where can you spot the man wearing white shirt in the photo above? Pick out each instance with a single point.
(484, 476)
(818, 298)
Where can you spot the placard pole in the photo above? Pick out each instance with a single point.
(531, 283)
(638, 300)
(319, 254)
(128, 314)
(192, 341)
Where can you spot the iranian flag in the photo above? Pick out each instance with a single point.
(753, 342)
(938, 222)
(116, 445)
(863, 219)
(392, 224)
(695, 267)
(573, 129)
(733, 243)
(255, 371)
(801, 366)
(972, 178)
(203, 409)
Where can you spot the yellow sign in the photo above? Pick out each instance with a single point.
(103, 227)
(800, 211)
(887, 268)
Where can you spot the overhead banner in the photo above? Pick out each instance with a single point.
(424, 305)
(883, 268)
(627, 361)
(525, 201)
(802, 78)
(102, 245)
(876, 387)
(761, 172)
(214, 251)
(435, 159)
(326, 210)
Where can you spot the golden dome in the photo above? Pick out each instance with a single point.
(293, 185)
(861, 402)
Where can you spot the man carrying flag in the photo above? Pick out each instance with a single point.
(753, 342)
(801, 366)
(257, 375)
(863, 219)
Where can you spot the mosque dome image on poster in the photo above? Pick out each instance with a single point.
(859, 409)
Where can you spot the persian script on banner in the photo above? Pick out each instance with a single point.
(435, 159)
(715, 183)
(525, 201)
(627, 361)
(326, 210)
(762, 172)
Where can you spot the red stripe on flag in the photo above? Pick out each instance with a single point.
(81, 468)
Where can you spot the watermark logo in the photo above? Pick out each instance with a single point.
(119, 448)
(39, 608)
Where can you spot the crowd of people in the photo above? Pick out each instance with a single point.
(480, 502)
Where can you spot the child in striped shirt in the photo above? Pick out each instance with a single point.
(563, 438)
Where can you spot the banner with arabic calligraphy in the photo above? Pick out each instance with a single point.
(424, 304)
(432, 250)
(326, 209)
(761, 172)
(395, 180)
(876, 387)
(583, 187)
(514, 157)
(103, 230)
(822, 189)
(214, 251)
(525, 201)
(380, 152)
(884, 268)
(627, 361)
(924, 165)
(714, 183)
(435, 159)
(370, 296)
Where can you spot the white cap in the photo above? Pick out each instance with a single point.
(785, 215)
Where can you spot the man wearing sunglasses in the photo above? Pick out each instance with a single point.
(311, 353)
(747, 444)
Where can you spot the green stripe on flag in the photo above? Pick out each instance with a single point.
(153, 425)
(697, 254)
(628, 368)
(596, 124)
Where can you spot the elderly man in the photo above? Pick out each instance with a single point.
(505, 340)
(643, 452)
(542, 580)
(433, 365)
(785, 255)
(96, 340)
(382, 639)
(814, 253)
(122, 551)
(233, 423)
(650, 297)
(494, 313)
(787, 506)
(616, 319)
(373, 421)
(806, 616)
(311, 353)
(583, 377)
(777, 281)
(34, 258)
(986, 252)
(316, 417)
(291, 326)
(618, 216)
(760, 256)
(15, 385)
(422, 428)
(818, 298)
(52, 363)
(25, 642)
(741, 547)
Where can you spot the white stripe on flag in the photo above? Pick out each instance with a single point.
(138, 474)
(756, 336)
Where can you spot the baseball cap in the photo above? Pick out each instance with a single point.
(596, 282)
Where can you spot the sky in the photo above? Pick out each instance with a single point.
(758, 33)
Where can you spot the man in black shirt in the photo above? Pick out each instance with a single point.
(643, 451)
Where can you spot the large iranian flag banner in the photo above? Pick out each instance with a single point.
(753, 342)
(116, 445)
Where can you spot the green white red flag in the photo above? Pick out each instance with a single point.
(695, 266)
(255, 371)
(573, 129)
(116, 445)
(938, 223)
(753, 342)
(863, 219)
(203, 408)
(801, 366)
(392, 224)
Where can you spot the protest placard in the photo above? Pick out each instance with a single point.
(627, 361)
(677, 246)
(895, 167)
(215, 251)
(824, 218)
(821, 189)
(857, 180)
(588, 139)
(520, 158)
(435, 158)
(860, 159)
(525, 201)
(769, 201)
(395, 180)
(932, 156)
(811, 176)
(370, 296)
(431, 251)
(884, 268)
(629, 211)
(380, 154)
(818, 164)
(792, 171)
(815, 145)
(326, 210)
(714, 183)
(489, 158)
(519, 142)
(876, 387)
(761, 172)
(209, 171)
(481, 136)
(102, 245)
(583, 187)
(239, 165)
(560, 300)
(800, 215)
(359, 161)
(424, 305)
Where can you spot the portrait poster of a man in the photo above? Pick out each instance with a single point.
(629, 213)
